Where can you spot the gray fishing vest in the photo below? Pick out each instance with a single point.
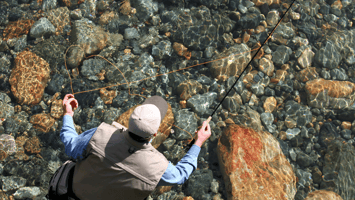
(116, 167)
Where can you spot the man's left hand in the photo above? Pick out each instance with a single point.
(69, 104)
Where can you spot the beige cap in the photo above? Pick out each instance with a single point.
(146, 118)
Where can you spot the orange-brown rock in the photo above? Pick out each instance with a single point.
(33, 145)
(59, 18)
(323, 195)
(346, 125)
(307, 74)
(42, 122)
(17, 29)
(20, 154)
(188, 198)
(181, 50)
(57, 110)
(253, 165)
(235, 59)
(280, 76)
(162, 189)
(335, 88)
(29, 77)
(106, 17)
(266, 66)
(188, 88)
(270, 104)
(330, 94)
(282, 135)
(107, 95)
(3, 155)
(164, 128)
(249, 77)
(305, 60)
(269, 2)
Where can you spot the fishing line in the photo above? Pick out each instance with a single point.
(210, 117)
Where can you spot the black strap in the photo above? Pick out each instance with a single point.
(70, 185)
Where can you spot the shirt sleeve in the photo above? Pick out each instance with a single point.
(180, 173)
(74, 144)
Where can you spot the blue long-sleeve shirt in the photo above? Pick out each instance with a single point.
(76, 144)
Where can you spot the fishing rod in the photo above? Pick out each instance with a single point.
(210, 117)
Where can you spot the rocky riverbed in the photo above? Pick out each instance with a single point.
(285, 131)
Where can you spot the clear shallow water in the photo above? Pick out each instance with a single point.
(307, 66)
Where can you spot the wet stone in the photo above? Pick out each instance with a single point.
(257, 89)
(17, 123)
(291, 133)
(186, 119)
(304, 160)
(339, 74)
(281, 55)
(201, 102)
(249, 20)
(29, 78)
(107, 95)
(6, 110)
(49, 4)
(327, 133)
(162, 49)
(266, 66)
(168, 143)
(307, 74)
(150, 39)
(42, 122)
(269, 91)
(323, 194)
(199, 183)
(92, 67)
(188, 88)
(270, 104)
(8, 144)
(17, 29)
(145, 8)
(27, 192)
(55, 85)
(59, 18)
(42, 27)
(267, 119)
(232, 103)
(57, 109)
(111, 114)
(131, 33)
(272, 17)
(225, 68)
(346, 134)
(304, 178)
(12, 183)
(286, 86)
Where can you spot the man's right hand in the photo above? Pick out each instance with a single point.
(203, 134)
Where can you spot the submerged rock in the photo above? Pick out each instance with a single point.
(29, 78)
(323, 194)
(253, 165)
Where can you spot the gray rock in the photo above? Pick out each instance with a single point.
(8, 144)
(232, 103)
(281, 55)
(257, 89)
(5, 64)
(162, 49)
(304, 160)
(55, 85)
(49, 4)
(325, 74)
(88, 9)
(249, 21)
(131, 33)
(339, 74)
(4, 98)
(3, 45)
(338, 168)
(327, 133)
(168, 143)
(17, 123)
(21, 43)
(346, 134)
(201, 102)
(111, 114)
(304, 178)
(285, 30)
(291, 133)
(92, 67)
(186, 120)
(76, 14)
(208, 53)
(308, 148)
(199, 183)
(214, 186)
(145, 8)
(12, 182)
(175, 154)
(150, 39)
(42, 27)
(27, 192)
(6, 111)
(293, 154)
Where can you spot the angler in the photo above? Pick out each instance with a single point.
(117, 163)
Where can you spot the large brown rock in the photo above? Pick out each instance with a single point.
(253, 165)
(330, 94)
(323, 195)
(43, 122)
(29, 77)
(231, 62)
(17, 29)
(164, 128)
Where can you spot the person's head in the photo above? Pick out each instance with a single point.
(146, 118)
